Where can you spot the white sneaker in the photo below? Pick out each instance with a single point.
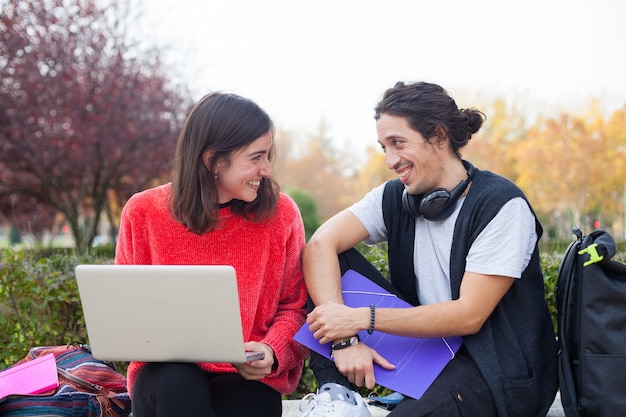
(334, 400)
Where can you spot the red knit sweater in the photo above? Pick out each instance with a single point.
(266, 258)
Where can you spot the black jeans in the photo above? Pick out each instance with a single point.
(459, 391)
(183, 389)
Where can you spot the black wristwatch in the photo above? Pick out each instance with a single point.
(345, 343)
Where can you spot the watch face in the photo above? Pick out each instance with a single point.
(354, 340)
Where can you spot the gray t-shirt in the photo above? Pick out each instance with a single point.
(504, 247)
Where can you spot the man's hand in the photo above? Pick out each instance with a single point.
(333, 321)
(330, 322)
(357, 364)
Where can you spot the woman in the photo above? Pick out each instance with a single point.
(222, 207)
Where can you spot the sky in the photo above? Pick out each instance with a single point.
(331, 60)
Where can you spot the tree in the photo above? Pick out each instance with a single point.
(15, 236)
(374, 172)
(26, 213)
(308, 210)
(572, 167)
(562, 165)
(318, 169)
(492, 146)
(86, 119)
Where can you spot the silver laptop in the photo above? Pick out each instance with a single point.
(162, 313)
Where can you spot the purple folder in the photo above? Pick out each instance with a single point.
(29, 378)
(418, 360)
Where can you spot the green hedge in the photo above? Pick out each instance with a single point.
(39, 302)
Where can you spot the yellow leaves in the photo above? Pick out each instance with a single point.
(568, 164)
(571, 167)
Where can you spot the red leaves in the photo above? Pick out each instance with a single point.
(85, 121)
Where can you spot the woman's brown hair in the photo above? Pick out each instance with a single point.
(221, 123)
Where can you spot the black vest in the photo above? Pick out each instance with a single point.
(516, 348)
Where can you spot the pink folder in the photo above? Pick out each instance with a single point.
(418, 360)
(32, 377)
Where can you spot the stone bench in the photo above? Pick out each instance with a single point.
(290, 409)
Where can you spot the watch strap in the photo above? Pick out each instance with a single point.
(342, 344)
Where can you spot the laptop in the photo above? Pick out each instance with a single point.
(162, 313)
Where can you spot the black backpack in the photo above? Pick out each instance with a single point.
(591, 313)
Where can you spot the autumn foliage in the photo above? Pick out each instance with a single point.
(85, 118)
(571, 167)
(88, 117)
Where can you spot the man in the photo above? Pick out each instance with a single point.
(462, 249)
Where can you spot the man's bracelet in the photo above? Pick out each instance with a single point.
(345, 343)
(372, 319)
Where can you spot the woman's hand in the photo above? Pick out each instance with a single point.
(257, 369)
